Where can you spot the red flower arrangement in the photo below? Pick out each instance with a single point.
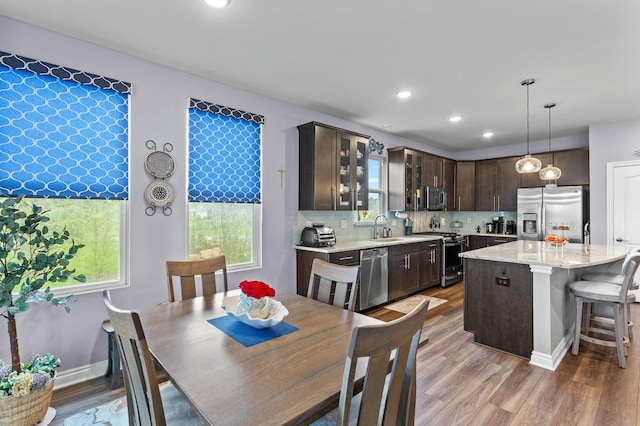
(256, 289)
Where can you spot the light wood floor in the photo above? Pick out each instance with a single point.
(461, 383)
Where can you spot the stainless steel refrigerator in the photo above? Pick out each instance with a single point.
(543, 211)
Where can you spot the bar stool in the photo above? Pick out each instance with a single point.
(614, 278)
(113, 361)
(613, 295)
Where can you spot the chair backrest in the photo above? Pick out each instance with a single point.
(334, 284)
(629, 269)
(141, 384)
(188, 270)
(377, 343)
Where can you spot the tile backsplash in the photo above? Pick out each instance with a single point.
(421, 222)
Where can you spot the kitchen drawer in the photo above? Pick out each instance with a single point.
(401, 249)
(351, 257)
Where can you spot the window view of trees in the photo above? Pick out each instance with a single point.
(94, 223)
(221, 228)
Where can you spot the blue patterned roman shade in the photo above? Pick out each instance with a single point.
(224, 154)
(63, 132)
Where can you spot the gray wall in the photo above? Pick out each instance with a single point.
(608, 143)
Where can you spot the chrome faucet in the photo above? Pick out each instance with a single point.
(386, 227)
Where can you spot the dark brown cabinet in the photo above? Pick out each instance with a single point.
(449, 181)
(406, 177)
(413, 267)
(497, 184)
(465, 184)
(333, 171)
(573, 163)
(473, 242)
(304, 261)
(498, 305)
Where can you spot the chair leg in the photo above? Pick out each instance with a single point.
(628, 321)
(576, 337)
(620, 327)
(114, 361)
(109, 356)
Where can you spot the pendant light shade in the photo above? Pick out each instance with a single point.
(550, 172)
(528, 164)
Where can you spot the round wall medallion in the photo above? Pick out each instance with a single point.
(159, 193)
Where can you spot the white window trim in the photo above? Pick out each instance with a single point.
(123, 273)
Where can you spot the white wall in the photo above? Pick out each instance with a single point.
(610, 142)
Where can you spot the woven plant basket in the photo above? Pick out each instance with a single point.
(26, 410)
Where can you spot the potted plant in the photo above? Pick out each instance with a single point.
(31, 257)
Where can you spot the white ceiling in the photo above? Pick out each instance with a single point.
(347, 58)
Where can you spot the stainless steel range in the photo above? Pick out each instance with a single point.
(451, 268)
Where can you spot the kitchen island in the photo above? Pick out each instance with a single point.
(517, 299)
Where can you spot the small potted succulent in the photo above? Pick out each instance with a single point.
(31, 257)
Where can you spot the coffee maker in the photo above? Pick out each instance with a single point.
(510, 227)
(499, 224)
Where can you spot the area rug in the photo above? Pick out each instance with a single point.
(114, 413)
(406, 305)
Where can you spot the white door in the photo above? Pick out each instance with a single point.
(623, 203)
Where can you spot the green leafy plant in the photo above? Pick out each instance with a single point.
(35, 375)
(31, 257)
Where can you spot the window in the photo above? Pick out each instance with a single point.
(64, 137)
(224, 188)
(377, 199)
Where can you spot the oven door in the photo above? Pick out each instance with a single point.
(451, 263)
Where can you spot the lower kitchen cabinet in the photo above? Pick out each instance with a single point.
(473, 242)
(413, 267)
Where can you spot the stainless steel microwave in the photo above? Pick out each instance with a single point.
(434, 198)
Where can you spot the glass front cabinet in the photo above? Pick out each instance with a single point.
(332, 167)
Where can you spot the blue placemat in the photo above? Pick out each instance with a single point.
(248, 335)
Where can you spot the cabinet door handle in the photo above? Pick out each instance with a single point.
(333, 198)
(459, 207)
(346, 258)
(498, 202)
(494, 202)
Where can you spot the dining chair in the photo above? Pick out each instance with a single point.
(609, 294)
(188, 270)
(145, 405)
(334, 284)
(615, 278)
(389, 394)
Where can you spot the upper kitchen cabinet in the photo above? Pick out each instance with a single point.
(406, 175)
(497, 184)
(449, 181)
(573, 163)
(465, 193)
(333, 173)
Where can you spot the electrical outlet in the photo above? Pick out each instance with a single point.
(394, 222)
(468, 220)
(343, 224)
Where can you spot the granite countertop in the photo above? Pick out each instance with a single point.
(366, 244)
(538, 253)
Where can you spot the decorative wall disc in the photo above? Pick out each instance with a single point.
(159, 193)
(160, 164)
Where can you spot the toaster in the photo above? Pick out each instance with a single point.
(318, 235)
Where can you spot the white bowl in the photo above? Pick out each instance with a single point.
(277, 312)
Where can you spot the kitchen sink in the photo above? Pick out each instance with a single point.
(386, 240)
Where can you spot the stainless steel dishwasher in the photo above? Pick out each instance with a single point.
(374, 277)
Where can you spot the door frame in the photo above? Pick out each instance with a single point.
(610, 169)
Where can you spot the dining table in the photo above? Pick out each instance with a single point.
(290, 379)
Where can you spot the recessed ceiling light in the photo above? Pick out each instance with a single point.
(455, 118)
(217, 3)
(403, 94)
(487, 135)
(386, 125)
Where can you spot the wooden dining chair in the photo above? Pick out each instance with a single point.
(145, 403)
(388, 395)
(188, 270)
(334, 284)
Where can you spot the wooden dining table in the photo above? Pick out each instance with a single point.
(291, 379)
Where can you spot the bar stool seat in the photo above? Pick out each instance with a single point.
(113, 361)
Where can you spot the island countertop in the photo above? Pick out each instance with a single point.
(369, 243)
(538, 253)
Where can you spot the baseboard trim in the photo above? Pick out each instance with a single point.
(81, 374)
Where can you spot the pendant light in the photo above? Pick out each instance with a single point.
(528, 164)
(550, 172)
